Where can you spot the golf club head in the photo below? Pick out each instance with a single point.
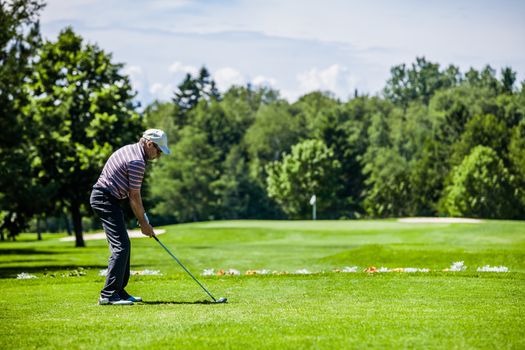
(221, 300)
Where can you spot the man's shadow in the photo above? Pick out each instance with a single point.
(165, 302)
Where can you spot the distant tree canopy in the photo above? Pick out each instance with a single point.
(396, 155)
(190, 92)
(437, 141)
(419, 82)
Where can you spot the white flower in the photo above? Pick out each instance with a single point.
(349, 269)
(488, 268)
(103, 272)
(458, 266)
(208, 272)
(383, 269)
(233, 272)
(146, 272)
(302, 272)
(24, 276)
(262, 272)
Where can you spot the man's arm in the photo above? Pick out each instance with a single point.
(135, 200)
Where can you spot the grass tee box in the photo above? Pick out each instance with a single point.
(438, 309)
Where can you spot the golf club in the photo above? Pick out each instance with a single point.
(218, 301)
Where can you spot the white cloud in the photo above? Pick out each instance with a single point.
(335, 78)
(290, 95)
(284, 38)
(136, 76)
(162, 92)
(226, 77)
(132, 70)
(178, 67)
(325, 79)
(164, 5)
(261, 80)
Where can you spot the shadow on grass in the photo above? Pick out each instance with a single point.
(164, 302)
(25, 251)
(12, 261)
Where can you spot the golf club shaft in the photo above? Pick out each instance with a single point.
(185, 269)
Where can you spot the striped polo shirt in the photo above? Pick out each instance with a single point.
(123, 171)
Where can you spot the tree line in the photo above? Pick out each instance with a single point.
(436, 141)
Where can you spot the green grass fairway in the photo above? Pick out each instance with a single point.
(328, 310)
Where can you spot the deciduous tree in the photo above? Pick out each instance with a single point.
(481, 187)
(309, 169)
(19, 191)
(81, 109)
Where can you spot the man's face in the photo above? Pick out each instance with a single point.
(152, 150)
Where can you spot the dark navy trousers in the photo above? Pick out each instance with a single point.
(108, 209)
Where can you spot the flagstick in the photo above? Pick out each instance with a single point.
(313, 202)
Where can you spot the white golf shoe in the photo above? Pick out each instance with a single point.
(114, 300)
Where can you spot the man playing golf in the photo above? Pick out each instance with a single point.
(121, 178)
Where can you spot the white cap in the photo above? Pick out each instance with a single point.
(159, 137)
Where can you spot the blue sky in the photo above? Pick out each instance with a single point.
(294, 46)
